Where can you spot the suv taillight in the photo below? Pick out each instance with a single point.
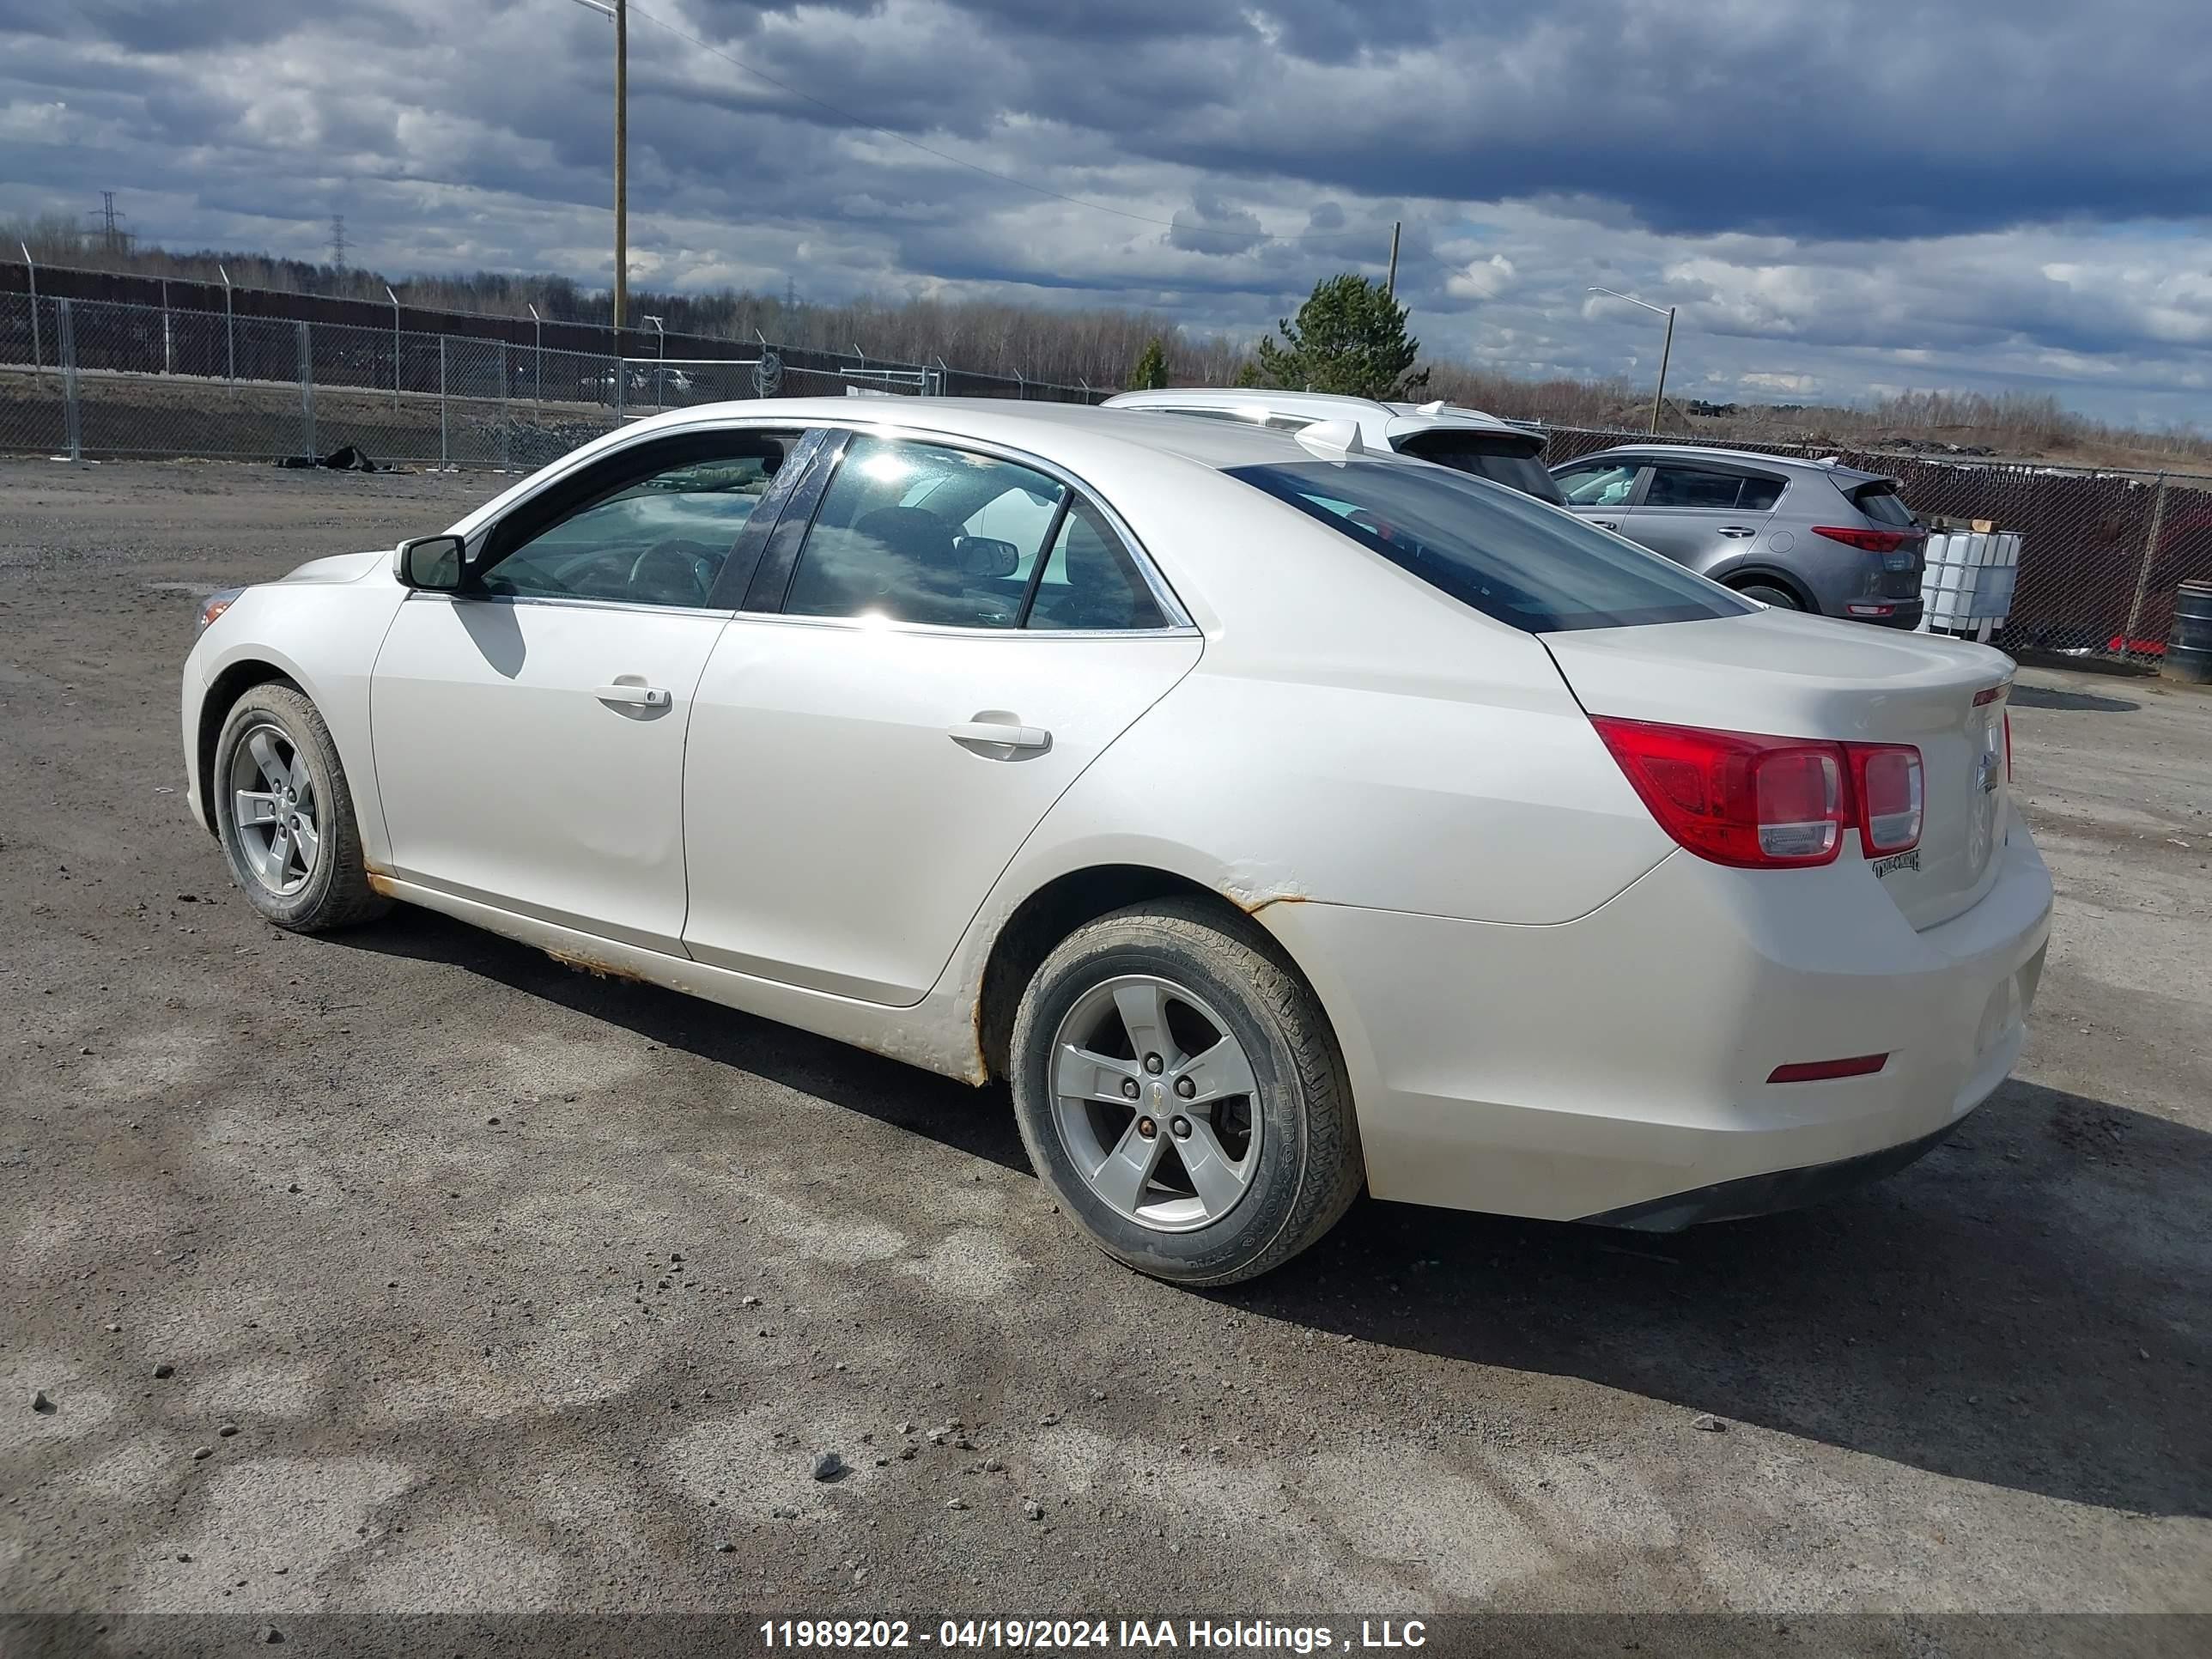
(1869, 541)
(1763, 803)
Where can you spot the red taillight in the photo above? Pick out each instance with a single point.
(1867, 541)
(1734, 798)
(1815, 1071)
(1887, 779)
(1763, 803)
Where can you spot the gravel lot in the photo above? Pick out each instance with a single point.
(529, 1290)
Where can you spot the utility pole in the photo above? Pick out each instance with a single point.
(618, 11)
(1391, 282)
(337, 241)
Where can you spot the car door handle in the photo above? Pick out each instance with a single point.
(1001, 734)
(1737, 531)
(632, 696)
(1606, 524)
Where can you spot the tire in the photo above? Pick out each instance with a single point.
(1767, 593)
(1300, 1165)
(302, 895)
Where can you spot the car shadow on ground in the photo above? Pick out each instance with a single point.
(2013, 1309)
(2085, 702)
(978, 1122)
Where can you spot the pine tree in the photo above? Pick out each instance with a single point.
(1350, 338)
(1152, 370)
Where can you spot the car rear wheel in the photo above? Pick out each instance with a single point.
(1177, 1087)
(1780, 598)
(286, 816)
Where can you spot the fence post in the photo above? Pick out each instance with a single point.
(307, 388)
(2142, 579)
(444, 453)
(502, 405)
(31, 272)
(169, 350)
(72, 416)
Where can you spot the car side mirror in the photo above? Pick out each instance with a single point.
(982, 555)
(432, 563)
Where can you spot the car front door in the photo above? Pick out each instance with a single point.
(1707, 518)
(528, 730)
(904, 696)
(1599, 489)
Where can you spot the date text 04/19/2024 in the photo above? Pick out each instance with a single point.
(1203, 1635)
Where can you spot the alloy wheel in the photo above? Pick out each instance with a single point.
(275, 809)
(1156, 1103)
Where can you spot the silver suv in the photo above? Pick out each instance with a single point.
(1464, 439)
(1801, 535)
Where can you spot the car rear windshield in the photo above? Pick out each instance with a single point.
(1528, 565)
(1881, 503)
(1510, 461)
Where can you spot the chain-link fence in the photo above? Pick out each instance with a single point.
(91, 378)
(2102, 551)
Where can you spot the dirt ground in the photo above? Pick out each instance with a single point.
(407, 1207)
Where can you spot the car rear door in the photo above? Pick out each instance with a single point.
(1705, 517)
(901, 699)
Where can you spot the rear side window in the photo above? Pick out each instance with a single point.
(1696, 486)
(1760, 494)
(1880, 502)
(1498, 552)
(1510, 461)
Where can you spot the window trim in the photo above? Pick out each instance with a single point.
(1741, 474)
(839, 443)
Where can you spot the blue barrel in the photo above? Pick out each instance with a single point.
(2189, 647)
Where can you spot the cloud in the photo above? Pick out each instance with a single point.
(1481, 279)
(2008, 193)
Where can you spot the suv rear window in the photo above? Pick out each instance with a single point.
(1880, 502)
(1493, 549)
(1510, 461)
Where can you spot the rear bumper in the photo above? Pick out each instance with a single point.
(1604, 1065)
(1903, 613)
(1765, 1194)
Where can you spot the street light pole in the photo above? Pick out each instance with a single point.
(1667, 350)
(618, 11)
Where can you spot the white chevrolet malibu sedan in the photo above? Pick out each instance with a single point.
(1273, 819)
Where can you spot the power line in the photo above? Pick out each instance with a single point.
(863, 122)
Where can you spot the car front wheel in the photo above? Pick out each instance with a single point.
(1178, 1088)
(286, 816)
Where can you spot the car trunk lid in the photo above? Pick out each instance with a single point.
(1779, 674)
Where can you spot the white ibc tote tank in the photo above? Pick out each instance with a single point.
(1967, 585)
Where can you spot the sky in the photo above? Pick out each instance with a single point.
(1840, 197)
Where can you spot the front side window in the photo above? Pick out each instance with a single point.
(661, 539)
(1607, 483)
(1494, 549)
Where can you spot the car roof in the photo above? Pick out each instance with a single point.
(1060, 431)
(1375, 416)
(1653, 451)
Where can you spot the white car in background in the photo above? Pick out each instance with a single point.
(1272, 822)
(1464, 439)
